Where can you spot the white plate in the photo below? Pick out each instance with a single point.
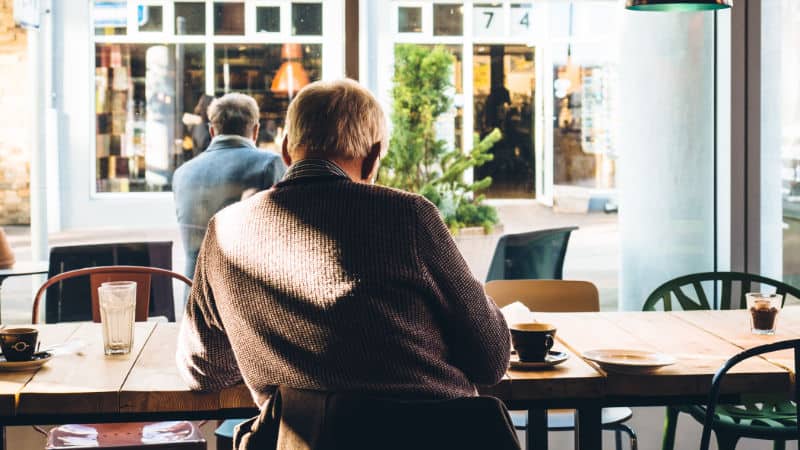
(39, 359)
(629, 361)
(552, 359)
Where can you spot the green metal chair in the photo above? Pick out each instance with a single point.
(759, 418)
(534, 255)
(713, 396)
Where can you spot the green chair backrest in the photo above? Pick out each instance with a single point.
(675, 294)
(534, 255)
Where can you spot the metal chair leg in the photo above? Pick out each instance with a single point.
(726, 441)
(618, 429)
(670, 426)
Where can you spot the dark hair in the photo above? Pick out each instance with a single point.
(201, 109)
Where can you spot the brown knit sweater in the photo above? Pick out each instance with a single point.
(322, 283)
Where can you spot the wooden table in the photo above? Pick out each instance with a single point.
(701, 341)
(145, 384)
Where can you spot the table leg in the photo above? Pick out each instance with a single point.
(536, 433)
(588, 429)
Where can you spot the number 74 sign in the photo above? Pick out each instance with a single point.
(491, 20)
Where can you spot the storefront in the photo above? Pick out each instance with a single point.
(133, 77)
(540, 71)
(138, 74)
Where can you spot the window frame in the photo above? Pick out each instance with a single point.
(332, 12)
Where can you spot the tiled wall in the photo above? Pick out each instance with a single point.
(15, 128)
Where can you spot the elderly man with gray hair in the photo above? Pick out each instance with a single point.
(328, 282)
(230, 169)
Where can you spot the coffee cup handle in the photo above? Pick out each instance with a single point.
(548, 342)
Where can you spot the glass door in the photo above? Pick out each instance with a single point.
(503, 98)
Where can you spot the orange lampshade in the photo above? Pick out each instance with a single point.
(290, 78)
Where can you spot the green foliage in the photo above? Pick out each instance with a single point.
(419, 162)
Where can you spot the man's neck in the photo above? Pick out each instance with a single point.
(352, 167)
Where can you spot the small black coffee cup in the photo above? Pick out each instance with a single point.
(18, 344)
(532, 341)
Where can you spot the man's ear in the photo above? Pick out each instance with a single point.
(255, 133)
(211, 131)
(370, 163)
(287, 159)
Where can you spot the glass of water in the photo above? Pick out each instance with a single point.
(117, 314)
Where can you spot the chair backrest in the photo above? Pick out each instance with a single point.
(532, 255)
(69, 300)
(324, 420)
(692, 292)
(98, 275)
(546, 295)
(713, 395)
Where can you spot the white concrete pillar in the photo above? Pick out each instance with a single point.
(666, 165)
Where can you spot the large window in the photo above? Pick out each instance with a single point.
(157, 64)
(564, 81)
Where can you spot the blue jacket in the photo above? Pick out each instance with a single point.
(215, 179)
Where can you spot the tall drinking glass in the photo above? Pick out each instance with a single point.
(117, 314)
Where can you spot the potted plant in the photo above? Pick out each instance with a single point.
(419, 161)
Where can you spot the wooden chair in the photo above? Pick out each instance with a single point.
(182, 435)
(761, 418)
(98, 275)
(756, 429)
(69, 300)
(560, 296)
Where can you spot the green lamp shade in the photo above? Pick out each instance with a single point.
(677, 5)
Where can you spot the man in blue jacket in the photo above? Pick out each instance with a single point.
(231, 169)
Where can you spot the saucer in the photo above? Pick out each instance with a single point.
(629, 361)
(553, 358)
(39, 359)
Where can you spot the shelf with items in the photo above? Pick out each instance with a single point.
(113, 92)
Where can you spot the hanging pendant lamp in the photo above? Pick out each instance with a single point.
(291, 76)
(677, 5)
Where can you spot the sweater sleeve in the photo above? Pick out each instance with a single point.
(204, 357)
(474, 328)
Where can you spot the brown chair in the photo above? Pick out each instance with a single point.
(560, 296)
(69, 301)
(182, 435)
(98, 275)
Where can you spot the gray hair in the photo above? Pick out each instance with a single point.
(233, 114)
(335, 119)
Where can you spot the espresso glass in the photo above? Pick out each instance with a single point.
(763, 310)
